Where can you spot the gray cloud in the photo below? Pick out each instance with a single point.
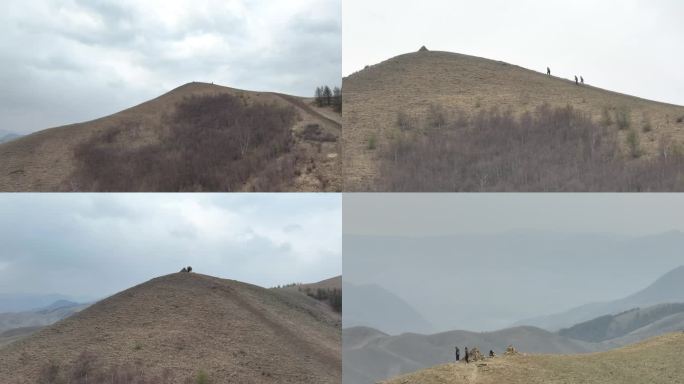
(76, 60)
(91, 245)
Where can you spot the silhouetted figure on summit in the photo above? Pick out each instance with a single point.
(467, 357)
(458, 354)
(184, 270)
(582, 80)
(576, 80)
(189, 268)
(548, 71)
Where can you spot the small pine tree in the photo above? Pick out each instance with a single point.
(327, 95)
(319, 96)
(337, 99)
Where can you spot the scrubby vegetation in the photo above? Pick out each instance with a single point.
(88, 368)
(314, 132)
(549, 149)
(210, 143)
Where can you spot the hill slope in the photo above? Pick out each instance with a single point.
(669, 288)
(657, 360)
(412, 83)
(178, 325)
(370, 355)
(167, 144)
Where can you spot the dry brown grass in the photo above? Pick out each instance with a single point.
(413, 83)
(46, 160)
(181, 324)
(658, 360)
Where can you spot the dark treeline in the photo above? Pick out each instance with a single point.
(210, 143)
(332, 296)
(327, 97)
(550, 149)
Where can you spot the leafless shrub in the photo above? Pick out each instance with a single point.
(550, 149)
(212, 143)
(646, 125)
(405, 122)
(606, 118)
(623, 118)
(436, 116)
(88, 368)
(314, 132)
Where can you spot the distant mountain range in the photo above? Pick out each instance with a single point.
(391, 314)
(8, 136)
(17, 325)
(667, 289)
(370, 355)
(20, 302)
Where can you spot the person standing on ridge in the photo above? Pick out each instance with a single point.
(548, 71)
(467, 358)
(582, 80)
(576, 80)
(458, 354)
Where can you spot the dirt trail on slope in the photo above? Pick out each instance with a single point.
(308, 109)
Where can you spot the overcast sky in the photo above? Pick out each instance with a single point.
(629, 46)
(75, 60)
(93, 245)
(484, 261)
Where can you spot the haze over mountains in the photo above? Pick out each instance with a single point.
(229, 139)
(667, 289)
(370, 355)
(396, 140)
(179, 325)
(516, 275)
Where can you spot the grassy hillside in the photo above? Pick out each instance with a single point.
(198, 137)
(448, 122)
(657, 360)
(181, 327)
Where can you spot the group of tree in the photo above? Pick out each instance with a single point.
(329, 97)
(332, 296)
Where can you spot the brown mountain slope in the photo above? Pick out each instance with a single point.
(185, 323)
(51, 160)
(658, 360)
(414, 82)
(331, 283)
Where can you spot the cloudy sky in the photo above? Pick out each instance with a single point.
(629, 46)
(75, 60)
(484, 261)
(92, 245)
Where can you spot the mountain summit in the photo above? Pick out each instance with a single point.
(185, 324)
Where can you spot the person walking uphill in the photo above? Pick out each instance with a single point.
(467, 358)
(458, 354)
(548, 71)
(576, 80)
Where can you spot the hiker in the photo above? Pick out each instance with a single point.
(184, 270)
(548, 71)
(189, 268)
(576, 80)
(458, 354)
(582, 80)
(491, 353)
(467, 358)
